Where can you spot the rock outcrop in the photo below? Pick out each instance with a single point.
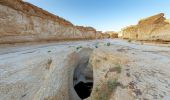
(153, 28)
(112, 34)
(23, 22)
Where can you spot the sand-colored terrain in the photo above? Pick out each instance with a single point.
(154, 28)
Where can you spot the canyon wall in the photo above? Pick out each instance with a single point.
(152, 28)
(23, 22)
(112, 34)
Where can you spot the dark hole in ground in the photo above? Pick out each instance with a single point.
(83, 75)
(84, 89)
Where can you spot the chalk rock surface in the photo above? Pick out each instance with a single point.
(152, 28)
(119, 71)
(23, 22)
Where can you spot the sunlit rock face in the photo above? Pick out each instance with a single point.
(23, 22)
(112, 34)
(152, 28)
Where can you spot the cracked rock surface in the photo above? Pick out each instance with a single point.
(121, 70)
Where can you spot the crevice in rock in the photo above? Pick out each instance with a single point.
(83, 80)
(83, 76)
(84, 89)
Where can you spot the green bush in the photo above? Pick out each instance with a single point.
(104, 96)
(108, 44)
(112, 84)
(107, 89)
(79, 47)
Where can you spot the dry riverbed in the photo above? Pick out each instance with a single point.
(113, 69)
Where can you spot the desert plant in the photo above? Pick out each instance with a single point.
(129, 40)
(112, 85)
(104, 92)
(49, 51)
(49, 63)
(118, 68)
(108, 44)
(104, 96)
(79, 47)
(97, 89)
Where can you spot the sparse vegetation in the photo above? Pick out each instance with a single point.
(105, 91)
(79, 47)
(112, 85)
(129, 40)
(49, 51)
(118, 68)
(49, 61)
(108, 44)
(97, 89)
(49, 64)
(104, 96)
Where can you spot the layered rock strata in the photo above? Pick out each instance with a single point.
(153, 28)
(23, 22)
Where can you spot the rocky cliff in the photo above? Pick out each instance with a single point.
(112, 34)
(24, 22)
(152, 28)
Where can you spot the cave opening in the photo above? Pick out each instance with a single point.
(83, 89)
(83, 80)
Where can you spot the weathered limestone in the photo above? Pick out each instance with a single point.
(38, 77)
(142, 75)
(112, 34)
(153, 28)
(46, 76)
(121, 71)
(115, 69)
(24, 22)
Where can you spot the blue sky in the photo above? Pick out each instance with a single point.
(104, 15)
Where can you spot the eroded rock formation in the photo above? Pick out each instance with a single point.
(119, 71)
(112, 34)
(23, 22)
(153, 28)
